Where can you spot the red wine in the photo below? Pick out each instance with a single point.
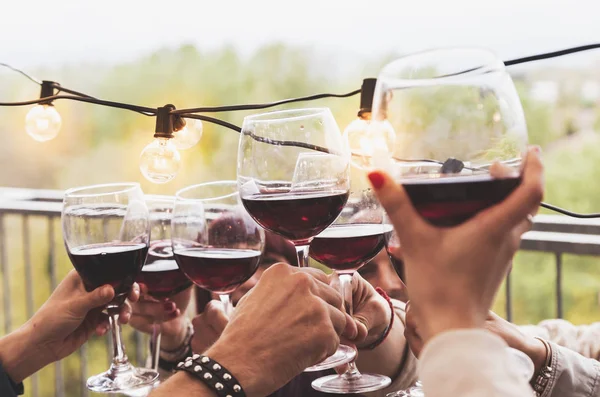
(161, 273)
(114, 264)
(451, 201)
(219, 270)
(296, 216)
(345, 248)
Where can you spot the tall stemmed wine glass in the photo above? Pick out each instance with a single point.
(454, 112)
(293, 177)
(216, 243)
(356, 237)
(160, 273)
(106, 232)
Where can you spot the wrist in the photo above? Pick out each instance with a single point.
(243, 367)
(535, 349)
(174, 341)
(21, 355)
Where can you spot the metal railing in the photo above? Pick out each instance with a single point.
(551, 234)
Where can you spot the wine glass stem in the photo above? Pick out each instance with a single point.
(346, 289)
(227, 305)
(155, 345)
(302, 251)
(119, 356)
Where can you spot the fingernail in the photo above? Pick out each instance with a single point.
(106, 291)
(169, 306)
(377, 179)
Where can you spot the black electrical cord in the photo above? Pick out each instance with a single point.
(569, 213)
(88, 99)
(552, 54)
(38, 82)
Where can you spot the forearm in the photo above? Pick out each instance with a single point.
(387, 357)
(19, 356)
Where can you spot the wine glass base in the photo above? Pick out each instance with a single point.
(415, 391)
(125, 379)
(339, 384)
(343, 355)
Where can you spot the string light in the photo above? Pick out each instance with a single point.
(160, 160)
(43, 121)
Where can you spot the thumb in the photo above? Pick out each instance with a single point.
(393, 198)
(97, 298)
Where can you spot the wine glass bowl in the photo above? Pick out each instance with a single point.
(106, 231)
(455, 112)
(215, 242)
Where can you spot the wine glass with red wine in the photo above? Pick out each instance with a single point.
(215, 242)
(356, 237)
(293, 177)
(106, 230)
(455, 113)
(160, 273)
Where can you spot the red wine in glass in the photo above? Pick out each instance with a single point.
(451, 201)
(346, 247)
(297, 216)
(220, 270)
(160, 273)
(114, 264)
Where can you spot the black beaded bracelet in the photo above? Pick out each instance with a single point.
(213, 375)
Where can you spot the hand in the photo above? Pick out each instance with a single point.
(208, 326)
(70, 316)
(453, 273)
(370, 310)
(169, 315)
(290, 320)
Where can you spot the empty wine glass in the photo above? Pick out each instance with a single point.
(293, 177)
(106, 232)
(355, 238)
(160, 273)
(216, 243)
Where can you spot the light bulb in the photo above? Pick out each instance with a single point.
(160, 161)
(371, 143)
(189, 135)
(43, 122)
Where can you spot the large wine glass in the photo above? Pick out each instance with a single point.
(216, 243)
(293, 177)
(106, 232)
(455, 112)
(355, 238)
(160, 273)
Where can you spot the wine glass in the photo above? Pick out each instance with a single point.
(356, 237)
(215, 242)
(455, 112)
(160, 273)
(293, 177)
(106, 230)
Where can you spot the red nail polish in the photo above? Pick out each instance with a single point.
(377, 179)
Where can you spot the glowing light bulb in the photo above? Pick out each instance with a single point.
(189, 135)
(160, 161)
(42, 122)
(371, 143)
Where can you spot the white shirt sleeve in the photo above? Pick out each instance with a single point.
(469, 363)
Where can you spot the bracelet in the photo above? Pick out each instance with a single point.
(386, 332)
(213, 375)
(543, 378)
(168, 359)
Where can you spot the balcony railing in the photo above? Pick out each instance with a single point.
(37, 214)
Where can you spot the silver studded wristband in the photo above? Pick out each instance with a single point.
(213, 375)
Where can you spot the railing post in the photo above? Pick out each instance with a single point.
(29, 289)
(58, 379)
(509, 314)
(5, 279)
(559, 297)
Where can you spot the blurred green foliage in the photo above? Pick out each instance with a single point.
(98, 145)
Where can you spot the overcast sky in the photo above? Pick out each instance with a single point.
(53, 32)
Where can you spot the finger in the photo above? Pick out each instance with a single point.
(213, 315)
(523, 201)
(134, 293)
(96, 298)
(317, 274)
(499, 170)
(143, 288)
(155, 310)
(125, 313)
(408, 224)
(339, 319)
(328, 294)
(102, 326)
